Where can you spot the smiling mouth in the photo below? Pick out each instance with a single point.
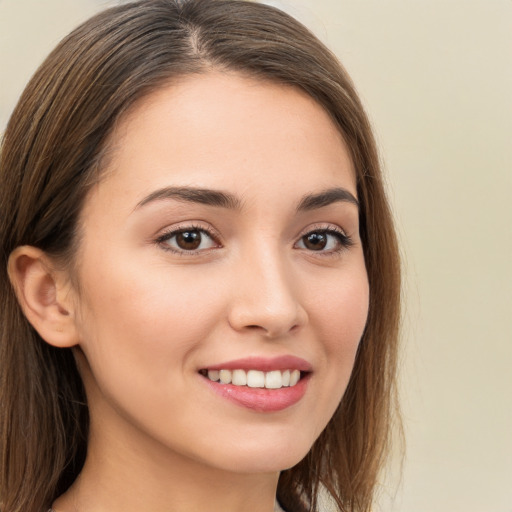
(275, 379)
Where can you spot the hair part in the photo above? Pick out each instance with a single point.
(54, 150)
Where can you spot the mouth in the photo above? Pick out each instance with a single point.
(275, 379)
(262, 385)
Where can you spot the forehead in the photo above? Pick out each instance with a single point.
(222, 130)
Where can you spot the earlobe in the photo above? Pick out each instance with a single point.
(43, 294)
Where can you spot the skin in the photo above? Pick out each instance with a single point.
(146, 319)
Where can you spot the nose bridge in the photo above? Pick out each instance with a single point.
(266, 295)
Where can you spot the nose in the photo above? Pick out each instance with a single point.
(266, 298)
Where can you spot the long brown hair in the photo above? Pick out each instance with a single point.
(52, 154)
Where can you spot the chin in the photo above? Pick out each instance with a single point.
(262, 456)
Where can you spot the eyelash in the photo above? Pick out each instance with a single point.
(344, 240)
(164, 238)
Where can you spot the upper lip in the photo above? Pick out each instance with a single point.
(264, 364)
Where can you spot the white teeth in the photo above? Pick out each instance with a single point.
(256, 379)
(225, 376)
(273, 380)
(213, 375)
(239, 378)
(294, 377)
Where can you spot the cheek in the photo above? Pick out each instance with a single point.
(139, 317)
(140, 331)
(342, 311)
(340, 320)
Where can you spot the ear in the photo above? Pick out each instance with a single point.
(45, 295)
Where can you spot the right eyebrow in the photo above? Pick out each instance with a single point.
(327, 197)
(193, 195)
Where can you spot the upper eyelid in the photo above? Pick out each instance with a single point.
(323, 226)
(190, 226)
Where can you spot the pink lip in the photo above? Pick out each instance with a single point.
(261, 399)
(265, 364)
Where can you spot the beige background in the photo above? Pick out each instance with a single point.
(436, 77)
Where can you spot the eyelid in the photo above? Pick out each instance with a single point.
(323, 226)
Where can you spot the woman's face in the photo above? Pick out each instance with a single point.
(223, 243)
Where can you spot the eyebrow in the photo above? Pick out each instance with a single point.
(326, 198)
(194, 195)
(226, 200)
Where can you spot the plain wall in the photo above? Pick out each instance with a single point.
(436, 77)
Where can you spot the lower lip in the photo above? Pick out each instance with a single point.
(261, 399)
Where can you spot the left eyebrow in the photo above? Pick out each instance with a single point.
(326, 198)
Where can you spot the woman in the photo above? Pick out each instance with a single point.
(200, 281)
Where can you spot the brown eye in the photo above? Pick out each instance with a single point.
(315, 241)
(327, 241)
(187, 240)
